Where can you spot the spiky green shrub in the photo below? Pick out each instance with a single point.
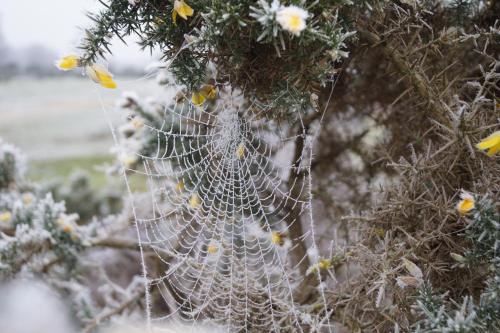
(444, 315)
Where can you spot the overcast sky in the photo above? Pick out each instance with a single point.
(57, 25)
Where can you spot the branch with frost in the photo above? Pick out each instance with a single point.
(417, 78)
(133, 300)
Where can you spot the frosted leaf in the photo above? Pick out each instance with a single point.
(12, 165)
(412, 268)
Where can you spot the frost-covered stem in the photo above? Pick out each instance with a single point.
(110, 313)
(298, 254)
(117, 243)
(7, 230)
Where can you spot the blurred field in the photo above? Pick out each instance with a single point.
(61, 169)
(59, 122)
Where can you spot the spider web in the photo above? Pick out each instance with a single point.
(227, 194)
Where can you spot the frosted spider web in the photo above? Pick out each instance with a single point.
(227, 194)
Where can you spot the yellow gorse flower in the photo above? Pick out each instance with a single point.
(182, 9)
(27, 199)
(64, 225)
(5, 216)
(324, 264)
(466, 204)
(194, 201)
(207, 91)
(96, 72)
(240, 151)
(198, 99)
(380, 232)
(137, 123)
(180, 186)
(68, 62)
(321, 265)
(100, 75)
(212, 249)
(491, 143)
(128, 160)
(277, 238)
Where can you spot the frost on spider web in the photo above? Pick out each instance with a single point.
(225, 192)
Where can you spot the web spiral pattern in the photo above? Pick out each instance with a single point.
(227, 195)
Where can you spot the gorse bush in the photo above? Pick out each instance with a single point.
(31, 224)
(40, 239)
(483, 232)
(82, 198)
(12, 166)
(267, 49)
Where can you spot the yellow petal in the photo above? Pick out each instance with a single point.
(490, 141)
(110, 84)
(100, 75)
(465, 205)
(5, 216)
(209, 91)
(137, 123)
(324, 264)
(194, 201)
(240, 151)
(183, 9)
(380, 232)
(27, 199)
(180, 186)
(197, 99)
(68, 62)
(212, 249)
(104, 77)
(493, 150)
(174, 17)
(128, 160)
(277, 238)
(64, 225)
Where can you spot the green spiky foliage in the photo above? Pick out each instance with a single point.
(242, 38)
(40, 239)
(441, 315)
(30, 223)
(484, 233)
(12, 165)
